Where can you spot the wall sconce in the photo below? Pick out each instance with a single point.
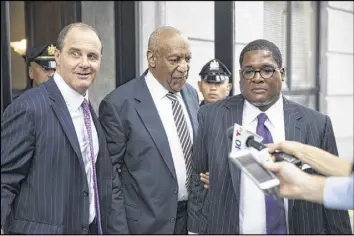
(20, 47)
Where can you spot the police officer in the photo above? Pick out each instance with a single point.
(41, 66)
(214, 84)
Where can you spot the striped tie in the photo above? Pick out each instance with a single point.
(183, 133)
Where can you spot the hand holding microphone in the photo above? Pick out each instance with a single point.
(246, 138)
(296, 184)
(334, 192)
(318, 159)
(248, 159)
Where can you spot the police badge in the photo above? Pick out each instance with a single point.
(51, 50)
(214, 65)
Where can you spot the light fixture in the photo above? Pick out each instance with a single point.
(20, 47)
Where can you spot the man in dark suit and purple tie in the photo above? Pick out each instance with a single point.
(233, 204)
(56, 174)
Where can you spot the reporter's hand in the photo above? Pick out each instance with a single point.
(318, 159)
(205, 179)
(291, 178)
(295, 183)
(290, 147)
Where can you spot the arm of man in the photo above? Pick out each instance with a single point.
(337, 221)
(197, 218)
(116, 142)
(17, 147)
(320, 160)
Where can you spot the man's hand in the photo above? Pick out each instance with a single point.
(205, 179)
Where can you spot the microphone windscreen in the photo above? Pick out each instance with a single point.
(229, 132)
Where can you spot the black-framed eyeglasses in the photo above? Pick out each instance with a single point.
(250, 73)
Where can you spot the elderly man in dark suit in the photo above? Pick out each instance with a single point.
(233, 204)
(56, 174)
(150, 123)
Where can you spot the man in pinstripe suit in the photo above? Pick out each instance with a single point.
(56, 174)
(233, 204)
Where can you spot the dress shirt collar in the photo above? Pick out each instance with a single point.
(156, 89)
(72, 98)
(274, 112)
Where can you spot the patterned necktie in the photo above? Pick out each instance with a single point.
(183, 133)
(87, 120)
(275, 215)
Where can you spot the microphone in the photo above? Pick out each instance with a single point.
(248, 159)
(243, 138)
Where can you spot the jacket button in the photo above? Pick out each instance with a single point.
(175, 191)
(172, 220)
(85, 230)
(86, 193)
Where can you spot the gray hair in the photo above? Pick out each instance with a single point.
(155, 40)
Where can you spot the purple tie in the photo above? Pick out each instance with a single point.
(275, 215)
(87, 120)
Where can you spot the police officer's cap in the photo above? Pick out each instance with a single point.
(215, 72)
(43, 55)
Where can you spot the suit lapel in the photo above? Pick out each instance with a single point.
(233, 114)
(295, 130)
(150, 118)
(61, 111)
(102, 143)
(188, 100)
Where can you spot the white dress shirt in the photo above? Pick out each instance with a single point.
(164, 108)
(252, 202)
(73, 101)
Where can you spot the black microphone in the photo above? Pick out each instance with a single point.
(279, 156)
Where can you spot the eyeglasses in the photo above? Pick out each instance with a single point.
(250, 73)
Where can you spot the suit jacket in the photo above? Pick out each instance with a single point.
(140, 152)
(43, 181)
(17, 93)
(216, 211)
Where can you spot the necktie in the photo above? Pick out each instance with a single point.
(183, 133)
(275, 215)
(87, 120)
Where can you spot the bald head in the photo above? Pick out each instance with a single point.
(77, 25)
(168, 57)
(158, 37)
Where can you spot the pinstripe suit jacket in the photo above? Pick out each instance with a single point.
(216, 211)
(43, 180)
